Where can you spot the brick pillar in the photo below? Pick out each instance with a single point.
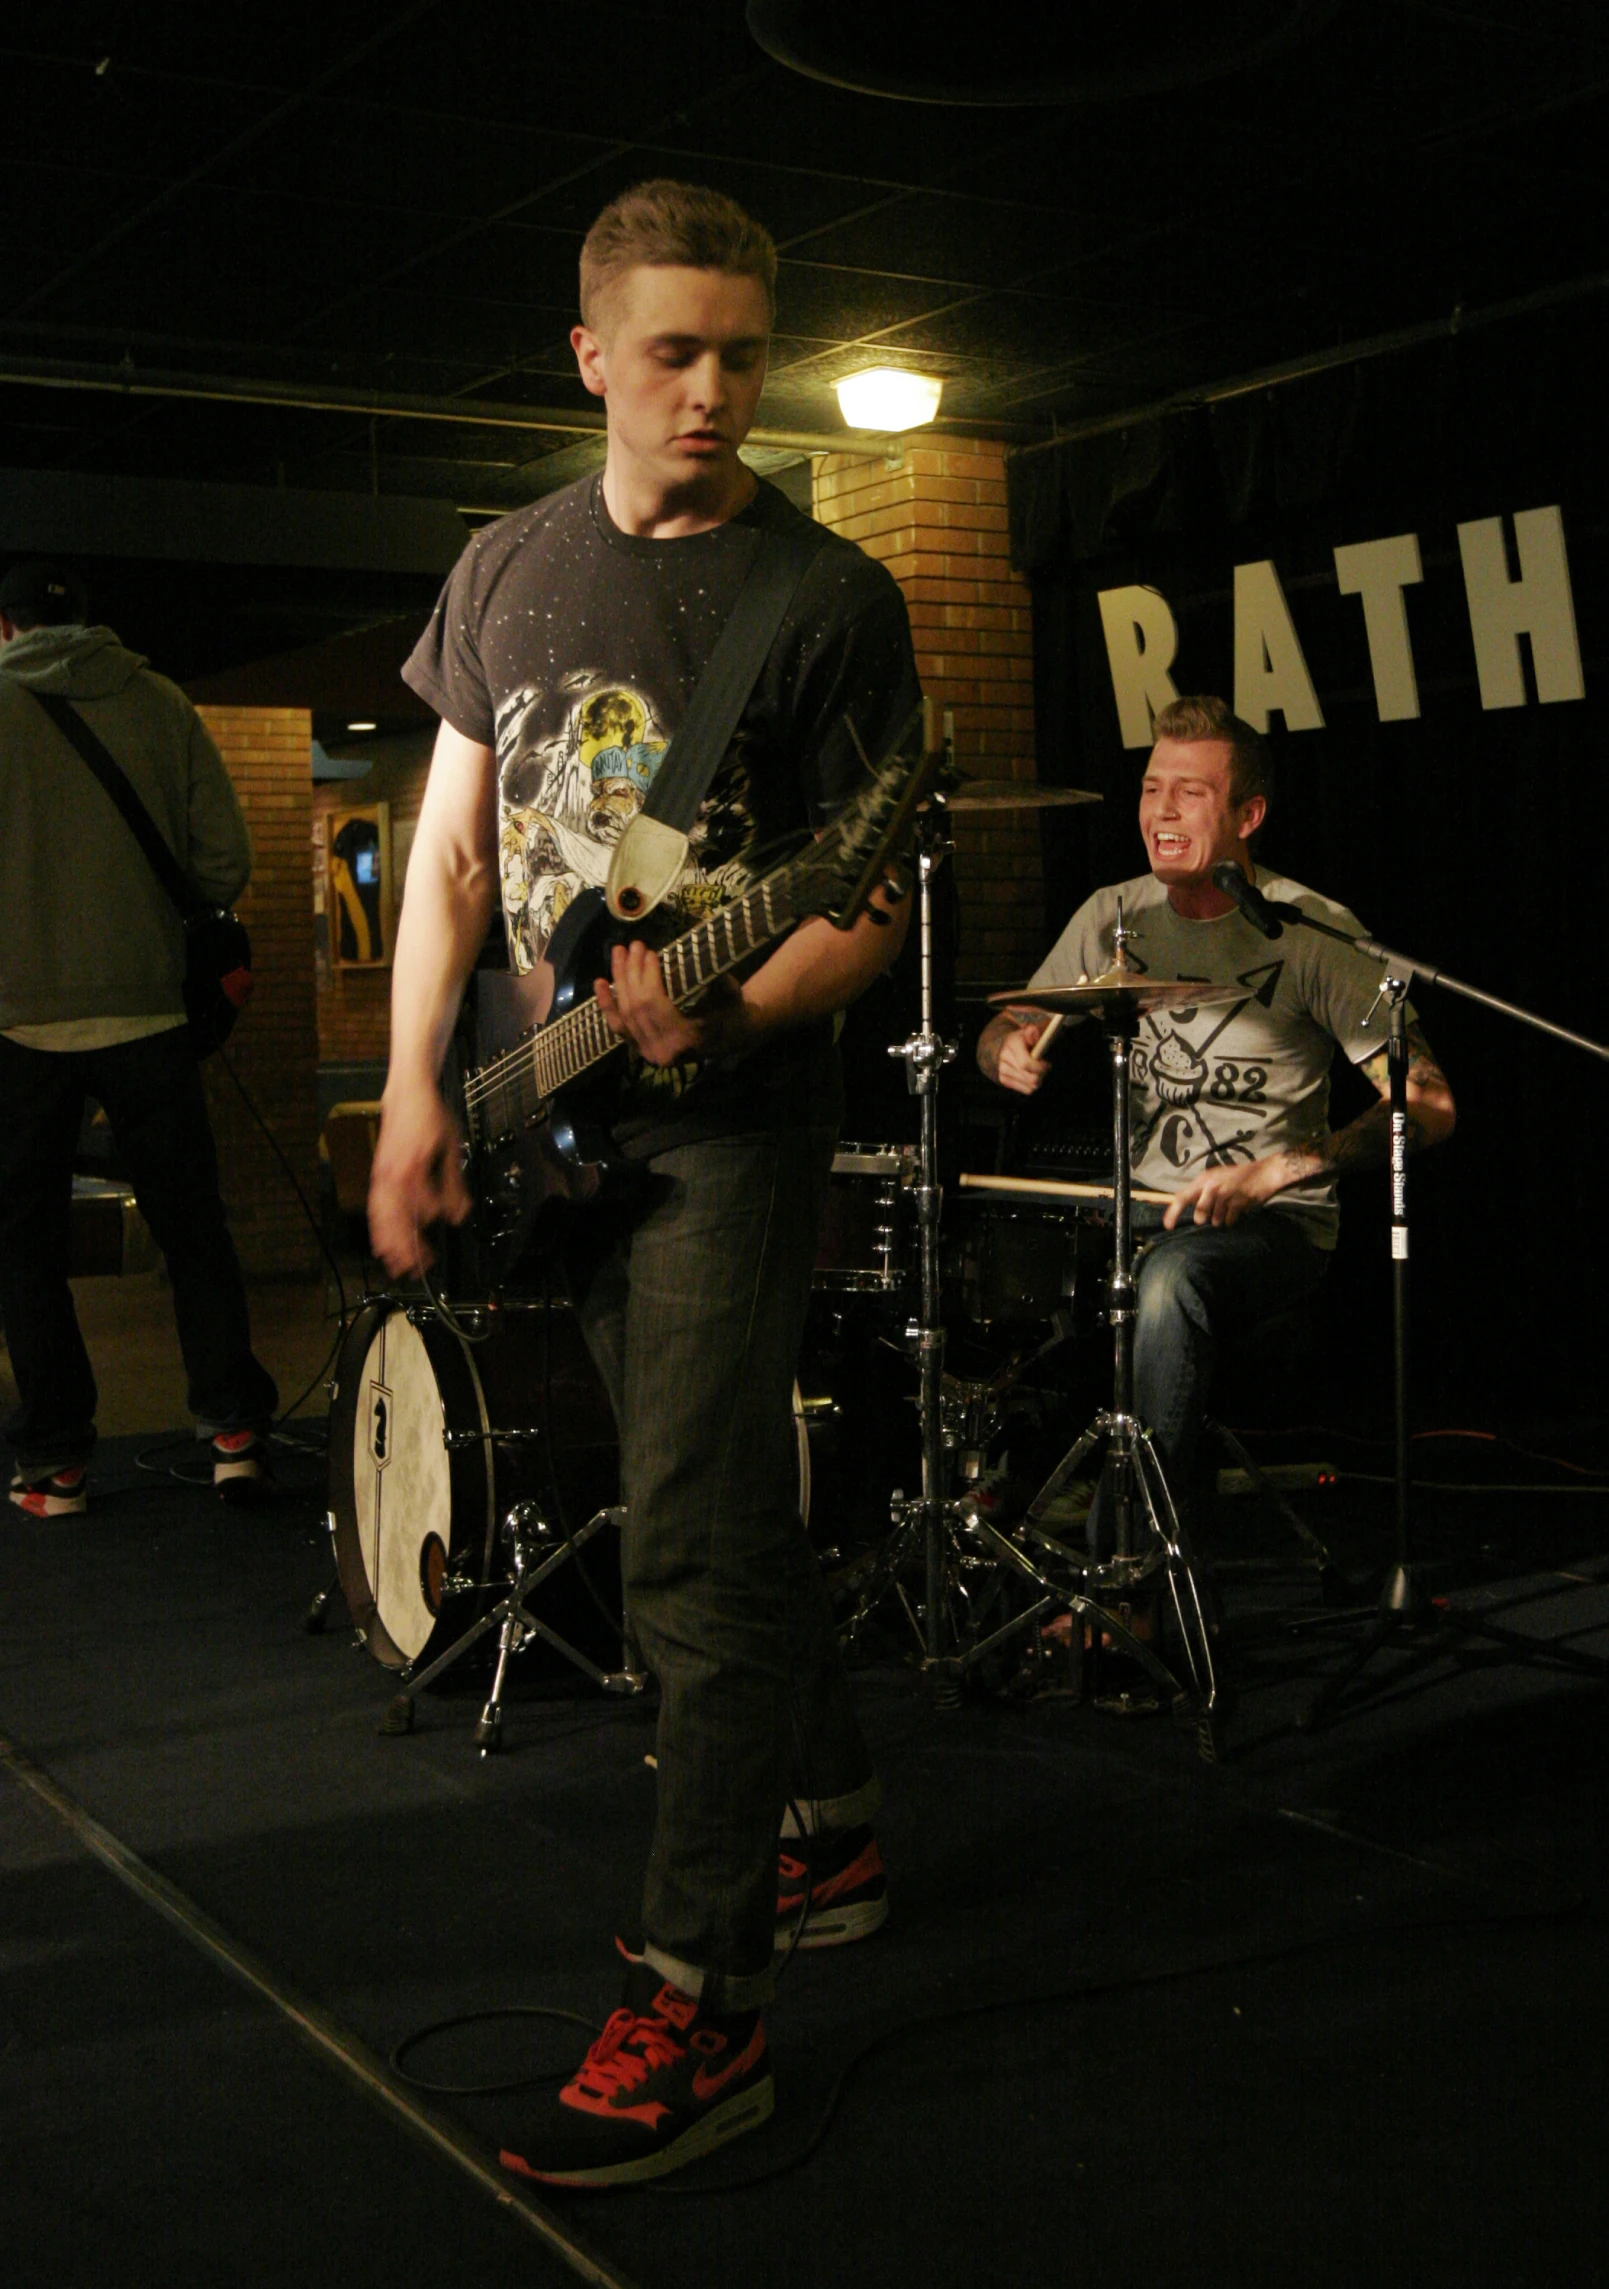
(274, 1048)
(937, 519)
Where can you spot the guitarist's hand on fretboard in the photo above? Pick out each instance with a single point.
(636, 1006)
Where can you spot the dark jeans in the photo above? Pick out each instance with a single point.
(692, 1297)
(1198, 1287)
(151, 1093)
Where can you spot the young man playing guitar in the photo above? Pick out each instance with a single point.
(561, 658)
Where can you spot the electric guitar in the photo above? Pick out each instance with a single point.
(536, 1124)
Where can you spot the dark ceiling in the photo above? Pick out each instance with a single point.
(390, 200)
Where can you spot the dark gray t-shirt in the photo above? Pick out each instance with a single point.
(1239, 1080)
(573, 649)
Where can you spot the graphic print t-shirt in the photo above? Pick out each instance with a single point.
(1238, 1080)
(573, 648)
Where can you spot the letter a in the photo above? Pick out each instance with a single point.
(1270, 671)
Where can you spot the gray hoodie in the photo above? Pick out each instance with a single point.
(86, 930)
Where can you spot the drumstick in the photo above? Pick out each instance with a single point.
(1049, 1188)
(1047, 1037)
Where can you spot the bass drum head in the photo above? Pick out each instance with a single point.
(397, 1494)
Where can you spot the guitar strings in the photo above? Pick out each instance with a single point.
(585, 1033)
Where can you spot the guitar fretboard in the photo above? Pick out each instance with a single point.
(509, 1090)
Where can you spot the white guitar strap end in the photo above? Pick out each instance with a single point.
(648, 859)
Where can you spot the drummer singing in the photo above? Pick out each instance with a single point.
(1230, 1108)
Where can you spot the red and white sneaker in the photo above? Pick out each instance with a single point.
(239, 1465)
(63, 1494)
(663, 2084)
(848, 1888)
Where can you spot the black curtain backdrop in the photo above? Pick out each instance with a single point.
(1476, 841)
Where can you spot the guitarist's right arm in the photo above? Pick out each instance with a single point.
(451, 888)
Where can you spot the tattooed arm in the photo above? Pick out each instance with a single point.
(1223, 1195)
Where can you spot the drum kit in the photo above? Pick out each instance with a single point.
(463, 1440)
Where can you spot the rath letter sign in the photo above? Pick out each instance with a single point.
(1271, 673)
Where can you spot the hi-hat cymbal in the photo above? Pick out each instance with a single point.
(1115, 990)
(1014, 795)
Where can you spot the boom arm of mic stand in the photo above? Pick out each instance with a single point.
(1392, 959)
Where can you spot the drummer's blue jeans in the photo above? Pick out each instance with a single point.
(692, 1299)
(1200, 1286)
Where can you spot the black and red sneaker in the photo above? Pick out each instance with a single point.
(848, 1888)
(59, 1494)
(240, 1465)
(663, 2084)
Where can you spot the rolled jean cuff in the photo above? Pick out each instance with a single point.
(819, 1814)
(719, 1991)
(48, 1462)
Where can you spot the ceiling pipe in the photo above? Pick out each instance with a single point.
(1356, 353)
(469, 413)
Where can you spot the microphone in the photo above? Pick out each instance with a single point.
(1262, 913)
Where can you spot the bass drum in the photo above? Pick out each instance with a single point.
(856, 1425)
(432, 1439)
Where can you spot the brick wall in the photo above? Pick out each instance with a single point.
(938, 521)
(274, 1048)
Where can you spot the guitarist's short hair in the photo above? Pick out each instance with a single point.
(671, 225)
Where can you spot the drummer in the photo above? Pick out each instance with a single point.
(1230, 1105)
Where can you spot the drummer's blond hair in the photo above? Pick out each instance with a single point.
(1251, 760)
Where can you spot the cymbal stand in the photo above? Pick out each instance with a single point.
(1149, 1532)
(925, 1054)
(929, 1527)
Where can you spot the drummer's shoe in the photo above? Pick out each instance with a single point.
(239, 1465)
(847, 1884)
(664, 2083)
(60, 1494)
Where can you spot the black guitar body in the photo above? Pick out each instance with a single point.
(563, 1150)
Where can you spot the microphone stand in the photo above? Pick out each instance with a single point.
(1405, 1608)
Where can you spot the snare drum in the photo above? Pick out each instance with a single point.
(432, 1438)
(866, 1225)
(1020, 1264)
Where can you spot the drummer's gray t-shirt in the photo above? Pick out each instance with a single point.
(1240, 1079)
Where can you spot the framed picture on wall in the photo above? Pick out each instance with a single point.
(361, 910)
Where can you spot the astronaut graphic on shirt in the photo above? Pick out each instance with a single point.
(567, 792)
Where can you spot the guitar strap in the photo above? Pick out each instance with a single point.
(653, 850)
(116, 781)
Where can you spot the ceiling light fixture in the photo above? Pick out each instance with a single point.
(363, 727)
(887, 397)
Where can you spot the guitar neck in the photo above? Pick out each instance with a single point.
(508, 1090)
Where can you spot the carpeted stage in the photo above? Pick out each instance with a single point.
(1333, 2012)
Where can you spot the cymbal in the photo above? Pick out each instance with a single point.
(1014, 795)
(1116, 990)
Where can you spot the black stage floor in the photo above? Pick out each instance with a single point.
(1333, 2011)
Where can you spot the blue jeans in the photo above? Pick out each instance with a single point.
(692, 1297)
(1198, 1286)
(152, 1096)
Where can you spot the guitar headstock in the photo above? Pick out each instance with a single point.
(837, 876)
